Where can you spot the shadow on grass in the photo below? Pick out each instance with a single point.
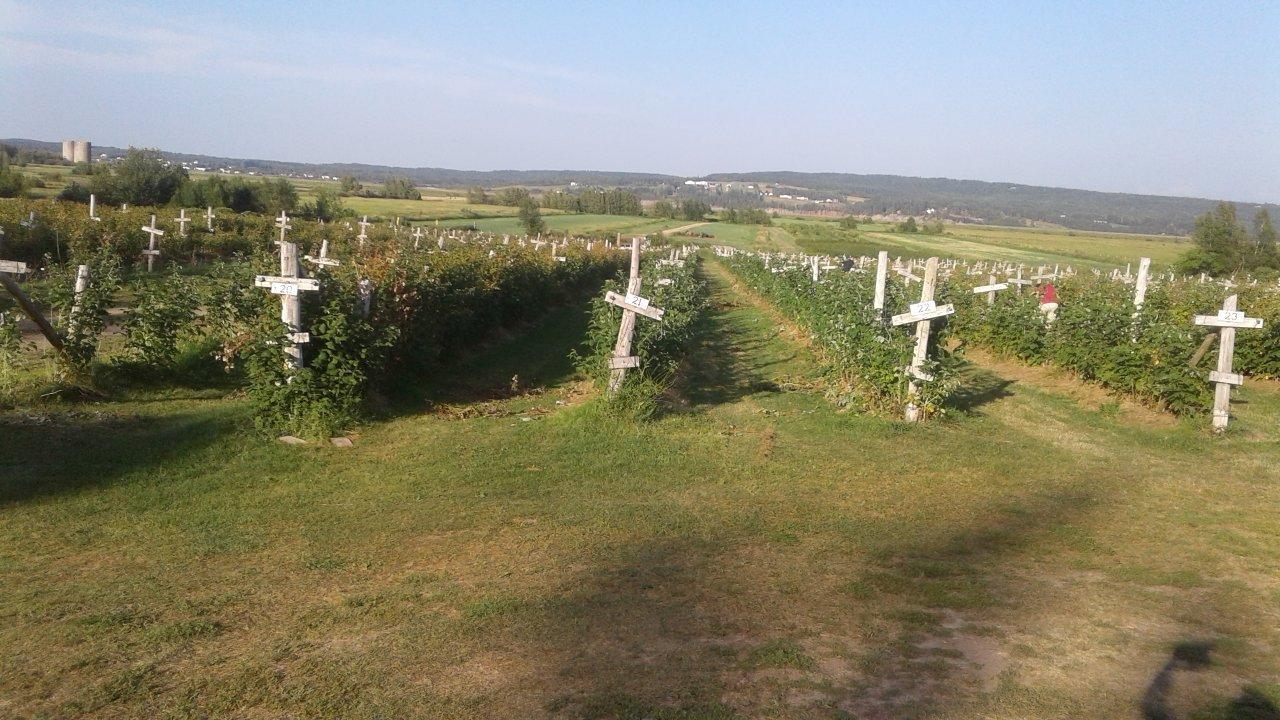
(660, 630)
(508, 364)
(1192, 656)
(65, 452)
(978, 387)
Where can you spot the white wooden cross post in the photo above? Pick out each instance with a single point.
(93, 208)
(182, 221)
(282, 222)
(922, 313)
(417, 236)
(1017, 280)
(632, 304)
(364, 226)
(208, 218)
(1140, 287)
(323, 258)
(990, 289)
(287, 285)
(882, 274)
(152, 251)
(1227, 321)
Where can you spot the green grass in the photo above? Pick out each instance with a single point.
(752, 553)
(585, 223)
(744, 237)
(1032, 246)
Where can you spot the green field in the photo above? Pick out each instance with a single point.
(584, 223)
(980, 242)
(745, 237)
(1045, 552)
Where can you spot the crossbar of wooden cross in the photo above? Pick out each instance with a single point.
(284, 285)
(1227, 320)
(635, 304)
(13, 267)
(923, 311)
(323, 258)
(990, 289)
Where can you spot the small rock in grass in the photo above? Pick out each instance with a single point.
(291, 440)
(340, 441)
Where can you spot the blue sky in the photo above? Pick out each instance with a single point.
(1180, 98)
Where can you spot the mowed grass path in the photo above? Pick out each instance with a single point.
(753, 553)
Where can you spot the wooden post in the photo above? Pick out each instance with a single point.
(1227, 320)
(93, 208)
(152, 251)
(82, 284)
(882, 274)
(182, 221)
(287, 285)
(29, 307)
(631, 305)
(208, 218)
(922, 314)
(1140, 287)
(622, 348)
(364, 295)
(291, 305)
(364, 225)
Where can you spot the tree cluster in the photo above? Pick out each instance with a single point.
(746, 216)
(1223, 245)
(687, 209)
(613, 201)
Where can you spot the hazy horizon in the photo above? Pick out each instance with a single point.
(1178, 102)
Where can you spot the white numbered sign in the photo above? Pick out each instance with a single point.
(284, 289)
(923, 307)
(637, 300)
(1231, 315)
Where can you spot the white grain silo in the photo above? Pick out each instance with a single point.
(83, 151)
(68, 149)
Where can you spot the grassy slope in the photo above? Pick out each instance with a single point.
(755, 553)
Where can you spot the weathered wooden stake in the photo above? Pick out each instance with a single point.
(29, 307)
(922, 314)
(1227, 320)
(882, 274)
(1140, 287)
(82, 284)
(182, 221)
(631, 305)
(152, 252)
(208, 218)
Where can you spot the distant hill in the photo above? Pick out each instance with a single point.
(995, 203)
(1004, 203)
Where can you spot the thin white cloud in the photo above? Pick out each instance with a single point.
(130, 41)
